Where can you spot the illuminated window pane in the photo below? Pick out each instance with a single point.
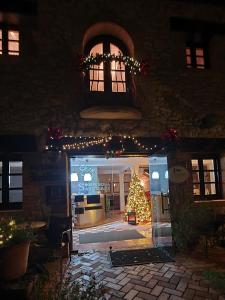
(200, 61)
(114, 49)
(210, 189)
(118, 87)
(117, 65)
(194, 163)
(209, 176)
(196, 189)
(199, 52)
(97, 49)
(97, 86)
(195, 176)
(15, 181)
(96, 75)
(13, 46)
(13, 35)
(15, 167)
(188, 51)
(188, 60)
(208, 164)
(0, 167)
(118, 75)
(15, 196)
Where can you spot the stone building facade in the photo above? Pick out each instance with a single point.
(43, 87)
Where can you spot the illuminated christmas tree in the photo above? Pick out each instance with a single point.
(137, 201)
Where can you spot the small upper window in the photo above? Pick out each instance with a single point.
(108, 76)
(9, 42)
(195, 57)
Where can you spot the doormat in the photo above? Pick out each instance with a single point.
(110, 236)
(141, 256)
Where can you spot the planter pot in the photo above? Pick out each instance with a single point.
(14, 261)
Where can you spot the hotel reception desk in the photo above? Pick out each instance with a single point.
(89, 210)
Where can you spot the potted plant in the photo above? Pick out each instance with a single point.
(14, 248)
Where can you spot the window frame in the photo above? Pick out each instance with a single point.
(202, 182)
(5, 204)
(106, 40)
(193, 46)
(5, 28)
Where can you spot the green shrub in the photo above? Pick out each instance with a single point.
(216, 279)
(70, 289)
(189, 222)
(11, 233)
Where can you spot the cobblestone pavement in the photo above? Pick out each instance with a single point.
(174, 280)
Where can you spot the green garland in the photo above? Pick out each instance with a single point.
(130, 63)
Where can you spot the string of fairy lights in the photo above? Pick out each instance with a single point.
(112, 145)
(131, 64)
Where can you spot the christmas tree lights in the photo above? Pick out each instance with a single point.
(137, 201)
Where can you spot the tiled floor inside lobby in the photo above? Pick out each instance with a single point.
(119, 225)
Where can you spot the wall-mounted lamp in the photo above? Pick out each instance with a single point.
(155, 175)
(166, 174)
(87, 177)
(74, 177)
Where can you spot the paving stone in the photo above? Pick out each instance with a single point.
(114, 286)
(131, 294)
(167, 284)
(124, 281)
(147, 277)
(121, 276)
(189, 294)
(172, 292)
(206, 295)
(198, 288)
(173, 297)
(157, 290)
(127, 287)
(146, 296)
(109, 274)
(134, 276)
(116, 293)
(110, 279)
(143, 273)
(182, 285)
(152, 283)
(163, 296)
(138, 282)
(142, 289)
(169, 274)
(137, 298)
(175, 279)
(160, 278)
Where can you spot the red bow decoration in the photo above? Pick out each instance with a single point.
(170, 135)
(54, 134)
(145, 68)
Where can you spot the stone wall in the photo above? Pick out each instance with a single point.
(43, 87)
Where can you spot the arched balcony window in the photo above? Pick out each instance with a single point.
(108, 76)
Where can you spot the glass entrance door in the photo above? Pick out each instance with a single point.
(159, 190)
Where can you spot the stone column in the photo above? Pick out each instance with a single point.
(180, 184)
